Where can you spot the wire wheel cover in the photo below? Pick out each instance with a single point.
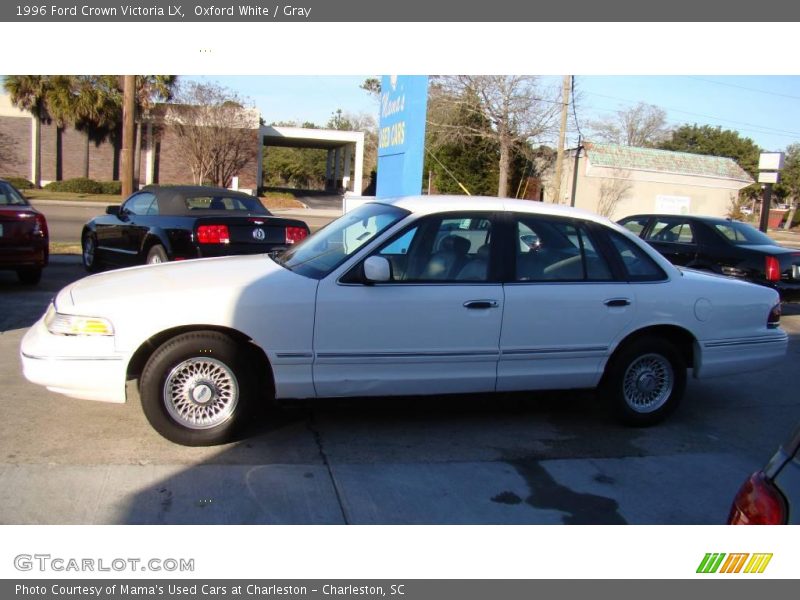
(648, 383)
(201, 393)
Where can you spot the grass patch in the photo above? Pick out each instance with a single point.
(71, 196)
(281, 200)
(65, 248)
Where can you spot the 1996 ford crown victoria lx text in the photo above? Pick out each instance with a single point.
(418, 295)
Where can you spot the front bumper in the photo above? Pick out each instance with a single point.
(83, 367)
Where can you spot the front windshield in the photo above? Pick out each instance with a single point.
(321, 253)
(742, 233)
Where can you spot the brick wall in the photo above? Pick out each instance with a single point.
(63, 154)
(15, 153)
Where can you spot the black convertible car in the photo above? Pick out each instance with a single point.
(163, 223)
(721, 246)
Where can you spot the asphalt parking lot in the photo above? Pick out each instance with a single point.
(548, 458)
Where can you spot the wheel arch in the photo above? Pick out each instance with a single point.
(681, 338)
(148, 347)
(156, 237)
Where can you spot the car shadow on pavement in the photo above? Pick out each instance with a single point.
(21, 305)
(409, 460)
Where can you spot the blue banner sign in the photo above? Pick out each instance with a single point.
(401, 136)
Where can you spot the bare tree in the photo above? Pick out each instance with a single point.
(512, 111)
(640, 126)
(216, 132)
(612, 191)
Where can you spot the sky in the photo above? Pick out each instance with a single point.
(762, 107)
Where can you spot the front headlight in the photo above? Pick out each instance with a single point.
(60, 324)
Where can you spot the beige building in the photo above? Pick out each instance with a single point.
(617, 181)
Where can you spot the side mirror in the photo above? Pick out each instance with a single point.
(113, 210)
(377, 269)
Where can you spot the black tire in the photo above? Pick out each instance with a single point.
(644, 381)
(89, 254)
(157, 255)
(29, 276)
(197, 388)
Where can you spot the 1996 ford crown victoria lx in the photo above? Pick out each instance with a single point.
(417, 295)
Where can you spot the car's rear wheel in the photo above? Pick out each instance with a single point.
(30, 276)
(644, 381)
(157, 255)
(197, 388)
(91, 261)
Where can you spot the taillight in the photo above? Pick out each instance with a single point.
(774, 318)
(295, 234)
(773, 269)
(758, 502)
(213, 234)
(40, 227)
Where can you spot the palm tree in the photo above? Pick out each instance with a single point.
(90, 103)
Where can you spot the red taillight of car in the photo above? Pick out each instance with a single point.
(774, 318)
(40, 227)
(773, 269)
(758, 502)
(213, 234)
(295, 234)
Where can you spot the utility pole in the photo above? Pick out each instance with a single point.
(128, 108)
(562, 133)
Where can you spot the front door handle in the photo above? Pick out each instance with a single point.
(480, 304)
(617, 302)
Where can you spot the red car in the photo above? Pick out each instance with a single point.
(24, 240)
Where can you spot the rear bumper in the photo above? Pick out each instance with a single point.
(30, 256)
(789, 292)
(733, 356)
(216, 250)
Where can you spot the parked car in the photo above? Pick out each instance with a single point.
(767, 496)
(721, 246)
(164, 223)
(419, 295)
(24, 238)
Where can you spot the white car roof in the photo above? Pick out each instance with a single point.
(436, 203)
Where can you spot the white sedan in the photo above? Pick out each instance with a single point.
(419, 295)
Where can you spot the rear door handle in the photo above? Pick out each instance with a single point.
(617, 302)
(480, 304)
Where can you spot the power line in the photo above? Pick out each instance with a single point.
(743, 87)
(677, 110)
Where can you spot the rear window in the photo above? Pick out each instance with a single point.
(742, 233)
(225, 203)
(10, 196)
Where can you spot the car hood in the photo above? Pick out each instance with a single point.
(219, 276)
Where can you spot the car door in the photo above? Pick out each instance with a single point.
(565, 307)
(434, 327)
(674, 238)
(120, 236)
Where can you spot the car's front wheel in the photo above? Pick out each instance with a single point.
(197, 387)
(644, 381)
